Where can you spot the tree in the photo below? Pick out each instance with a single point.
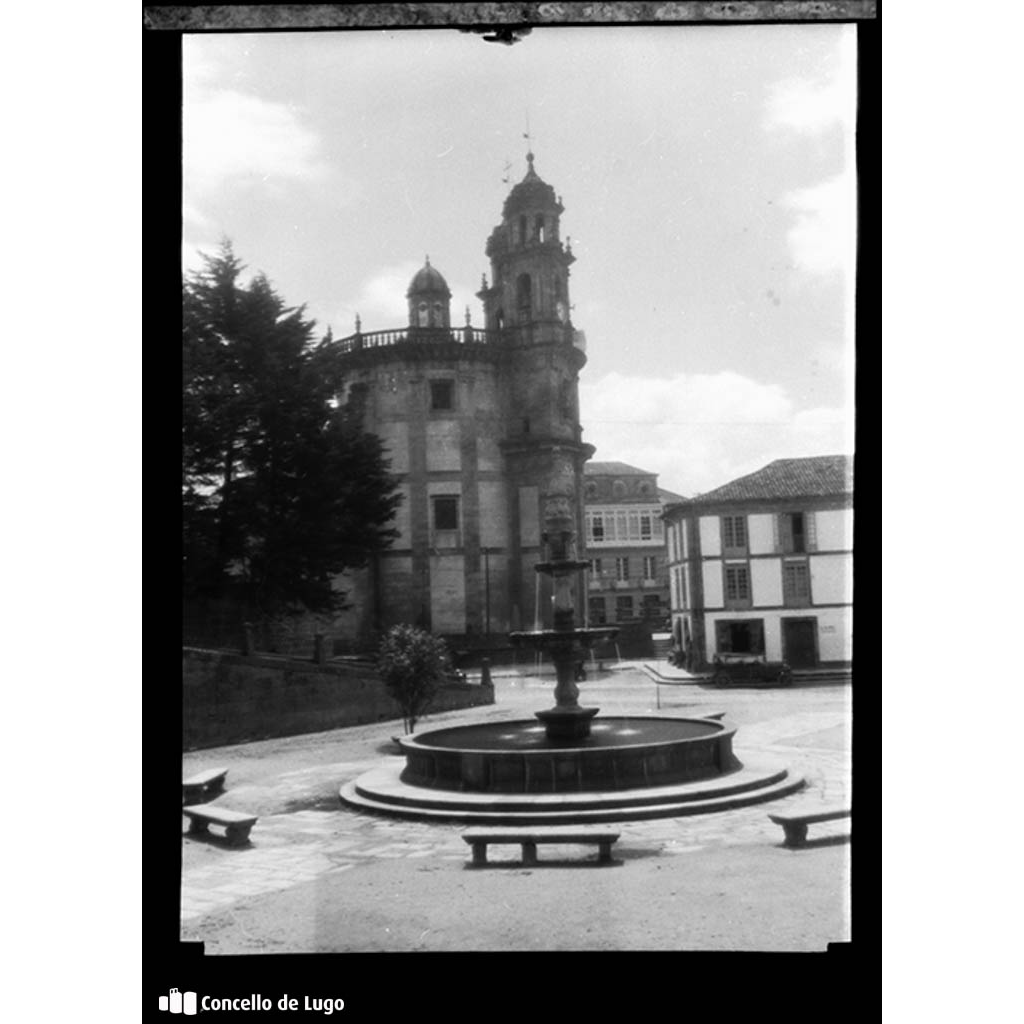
(413, 665)
(282, 489)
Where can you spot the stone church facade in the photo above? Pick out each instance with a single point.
(482, 430)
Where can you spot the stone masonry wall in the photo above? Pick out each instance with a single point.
(229, 698)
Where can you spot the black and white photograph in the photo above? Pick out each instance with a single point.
(518, 488)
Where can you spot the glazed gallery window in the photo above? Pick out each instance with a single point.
(624, 526)
(442, 395)
(446, 512)
(737, 586)
(734, 534)
(796, 584)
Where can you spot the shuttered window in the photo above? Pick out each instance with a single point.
(737, 586)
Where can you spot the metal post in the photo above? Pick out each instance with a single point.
(487, 593)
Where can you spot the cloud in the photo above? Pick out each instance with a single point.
(822, 241)
(699, 431)
(812, 106)
(229, 135)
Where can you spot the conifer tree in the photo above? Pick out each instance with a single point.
(282, 489)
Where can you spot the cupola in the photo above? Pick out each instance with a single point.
(429, 298)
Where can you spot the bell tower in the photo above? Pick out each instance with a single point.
(526, 308)
(529, 292)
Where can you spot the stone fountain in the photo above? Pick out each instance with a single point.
(566, 644)
(567, 765)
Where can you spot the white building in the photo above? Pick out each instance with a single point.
(764, 565)
(625, 542)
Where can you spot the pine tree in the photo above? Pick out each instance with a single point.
(282, 489)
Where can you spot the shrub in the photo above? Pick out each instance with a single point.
(413, 664)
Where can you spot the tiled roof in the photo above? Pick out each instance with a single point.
(613, 469)
(669, 497)
(813, 477)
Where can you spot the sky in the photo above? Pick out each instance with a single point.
(708, 179)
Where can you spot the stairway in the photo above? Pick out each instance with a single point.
(662, 645)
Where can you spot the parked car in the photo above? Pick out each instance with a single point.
(749, 670)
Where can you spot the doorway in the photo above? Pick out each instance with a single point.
(800, 642)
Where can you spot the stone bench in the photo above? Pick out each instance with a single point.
(203, 786)
(795, 825)
(529, 841)
(235, 823)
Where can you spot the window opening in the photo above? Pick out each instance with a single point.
(442, 395)
(446, 512)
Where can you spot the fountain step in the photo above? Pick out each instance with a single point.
(382, 792)
(385, 786)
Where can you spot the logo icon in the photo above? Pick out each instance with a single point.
(179, 1002)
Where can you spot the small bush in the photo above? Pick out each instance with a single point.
(413, 664)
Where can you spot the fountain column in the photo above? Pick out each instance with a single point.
(566, 720)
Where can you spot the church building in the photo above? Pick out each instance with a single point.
(481, 426)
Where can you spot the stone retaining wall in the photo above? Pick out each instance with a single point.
(231, 698)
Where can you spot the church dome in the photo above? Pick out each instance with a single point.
(428, 297)
(531, 193)
(428, 281)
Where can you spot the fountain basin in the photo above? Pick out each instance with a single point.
(520, 757)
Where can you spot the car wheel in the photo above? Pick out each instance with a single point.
(721, 679)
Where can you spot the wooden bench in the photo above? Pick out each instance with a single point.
(529, 841)
(203, 786)
(795, 825)
(236, 824)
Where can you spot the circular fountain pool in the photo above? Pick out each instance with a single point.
(519, 757)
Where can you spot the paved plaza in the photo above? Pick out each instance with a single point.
(318, 876)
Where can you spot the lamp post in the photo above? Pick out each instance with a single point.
(487, 593)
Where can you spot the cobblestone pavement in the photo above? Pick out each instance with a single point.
(304, 832)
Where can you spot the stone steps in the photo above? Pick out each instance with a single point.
(381, 791)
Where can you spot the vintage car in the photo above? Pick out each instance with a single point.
(749, 670)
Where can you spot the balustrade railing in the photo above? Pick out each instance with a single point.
(416, 335)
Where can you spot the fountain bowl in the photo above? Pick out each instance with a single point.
(521, 757)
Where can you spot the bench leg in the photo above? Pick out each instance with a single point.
(604, 852)
(479, 853)
(529, 853)
(796, 834)
(237, 834)
(198, 826)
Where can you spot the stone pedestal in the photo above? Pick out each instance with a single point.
(567, 723)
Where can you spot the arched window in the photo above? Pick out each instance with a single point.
(538, 227)
(500, 318)
(619, 489)
(423, 315)
(522, 229)
(524, 300)
(438, 319)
